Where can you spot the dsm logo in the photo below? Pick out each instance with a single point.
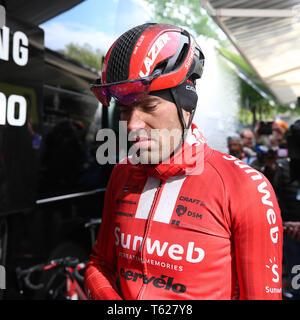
(181, 210)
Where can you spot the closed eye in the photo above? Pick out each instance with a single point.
(149, 107)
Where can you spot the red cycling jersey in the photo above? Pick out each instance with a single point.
(172, 234)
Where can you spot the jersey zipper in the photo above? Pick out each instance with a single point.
(148, 223)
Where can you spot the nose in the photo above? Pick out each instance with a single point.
(135, 120)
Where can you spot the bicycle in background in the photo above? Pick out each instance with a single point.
(58, 279)
(66, 283)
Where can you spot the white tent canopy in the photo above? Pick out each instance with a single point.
(267, 35)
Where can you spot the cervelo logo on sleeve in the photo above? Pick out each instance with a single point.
(174, 251)
(265, 195)
(153, 53)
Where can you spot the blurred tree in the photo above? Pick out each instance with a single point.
(186, 13)
(255, 107)
(84, 54)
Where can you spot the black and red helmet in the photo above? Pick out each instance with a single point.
(149, 57)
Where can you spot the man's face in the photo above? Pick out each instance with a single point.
(153, 127)
(235, 148)
(248, 139)
(278, 131)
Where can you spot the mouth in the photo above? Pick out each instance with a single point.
(142, 142)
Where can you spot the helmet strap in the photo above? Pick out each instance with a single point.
(177, 102)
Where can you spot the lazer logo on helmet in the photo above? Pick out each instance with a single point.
(153, 53)
(174, 251)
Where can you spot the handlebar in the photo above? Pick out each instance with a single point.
(93, 223)
(67, 263)
(26, 275)
(77, 275)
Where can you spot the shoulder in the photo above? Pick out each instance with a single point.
(228, 165)
(236, 174)
(250, 196)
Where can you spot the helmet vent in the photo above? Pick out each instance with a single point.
(182, 56)
(120, 57)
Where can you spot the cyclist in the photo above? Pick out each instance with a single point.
(184, 222)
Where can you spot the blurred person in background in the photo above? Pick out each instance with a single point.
(235, 148)
(270, 145)
(247, 140)
(292, 229)
(283, 171)
(271, 133)
(279, 130)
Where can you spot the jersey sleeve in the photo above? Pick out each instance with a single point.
(101, 272)
(257, 235)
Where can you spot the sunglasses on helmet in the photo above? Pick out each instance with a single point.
(126, 92)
